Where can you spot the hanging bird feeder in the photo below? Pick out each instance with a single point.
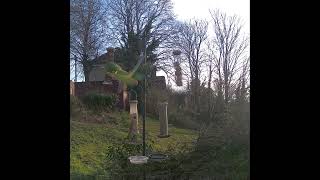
(178, 73)
(163, 119)
(133, 131)
(177, 67)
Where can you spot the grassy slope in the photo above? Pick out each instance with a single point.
(89, 141)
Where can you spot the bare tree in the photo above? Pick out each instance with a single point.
(87, 32)
(190, 41)
(241, 93)
(209, 64)
(229, 50)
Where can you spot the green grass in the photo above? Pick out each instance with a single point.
(89, 141)
(177, 137)
(231, 162)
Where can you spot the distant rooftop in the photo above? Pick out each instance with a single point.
(106, 57)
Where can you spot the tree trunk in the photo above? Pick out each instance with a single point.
(226, 94)
(86, 72)
(210, 77)
(209, 95)
(197, 99)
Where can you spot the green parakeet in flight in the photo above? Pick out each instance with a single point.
(129, 78)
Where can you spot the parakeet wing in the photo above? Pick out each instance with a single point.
(138, 76)
(114, 68)
(129, 81)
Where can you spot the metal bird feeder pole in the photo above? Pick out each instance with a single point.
(145, 100)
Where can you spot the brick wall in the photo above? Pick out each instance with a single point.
(80, 89)
(83, 88)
